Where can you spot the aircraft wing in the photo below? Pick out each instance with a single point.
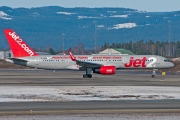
(84, 63)
(87, 64)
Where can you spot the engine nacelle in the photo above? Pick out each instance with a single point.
(106, 70)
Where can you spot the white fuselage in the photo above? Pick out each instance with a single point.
(119, 61)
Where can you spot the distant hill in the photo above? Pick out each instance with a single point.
(43, 27)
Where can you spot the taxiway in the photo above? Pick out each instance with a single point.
(74, 78)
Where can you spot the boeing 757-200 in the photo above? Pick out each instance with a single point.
(100, 64)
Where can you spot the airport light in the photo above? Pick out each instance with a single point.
(169, 38)
(63, 42)
(95, 44)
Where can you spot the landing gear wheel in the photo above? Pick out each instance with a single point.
(153, 76)
(87, 76)
(153, 73)
(84, 76)
(88, 73)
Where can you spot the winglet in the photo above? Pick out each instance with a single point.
(18, 46)
(72, 56)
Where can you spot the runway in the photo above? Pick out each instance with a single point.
(74, 78)
(125, 106)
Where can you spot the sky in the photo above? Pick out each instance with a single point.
(142, 5)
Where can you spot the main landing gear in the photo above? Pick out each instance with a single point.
(88, 73)
(87, 76)
(153, 73)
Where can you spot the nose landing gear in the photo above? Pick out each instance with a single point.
(153, 73)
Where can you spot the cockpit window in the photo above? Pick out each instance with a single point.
(167, 60)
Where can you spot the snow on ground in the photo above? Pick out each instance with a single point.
(86, 93)
(35, 14)
(66, 13)
(88, 17)
(100, 26)
(112, 11)
(125, 25)
(3, 15)
(119, 16)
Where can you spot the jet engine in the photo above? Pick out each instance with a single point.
(106, 70)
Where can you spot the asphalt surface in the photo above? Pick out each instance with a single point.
(91, 107)
(74, 78)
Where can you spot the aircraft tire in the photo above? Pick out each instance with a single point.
(87, 76)
(153, 76)
(84, 76)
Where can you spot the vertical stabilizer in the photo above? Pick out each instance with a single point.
(17, 45)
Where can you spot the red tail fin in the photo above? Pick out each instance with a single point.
(18, 46)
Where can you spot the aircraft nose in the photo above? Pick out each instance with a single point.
(172, 64)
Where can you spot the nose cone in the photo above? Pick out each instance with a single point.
(172, 64)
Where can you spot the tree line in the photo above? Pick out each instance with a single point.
(169, 49)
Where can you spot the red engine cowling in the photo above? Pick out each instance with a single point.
(105, 70)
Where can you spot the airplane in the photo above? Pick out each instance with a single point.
(99, 64)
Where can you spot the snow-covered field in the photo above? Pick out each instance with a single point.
(86, 93)
(3, 15)
(125, 25)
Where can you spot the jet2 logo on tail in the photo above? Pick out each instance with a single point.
(21, 43)
(136, 63)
